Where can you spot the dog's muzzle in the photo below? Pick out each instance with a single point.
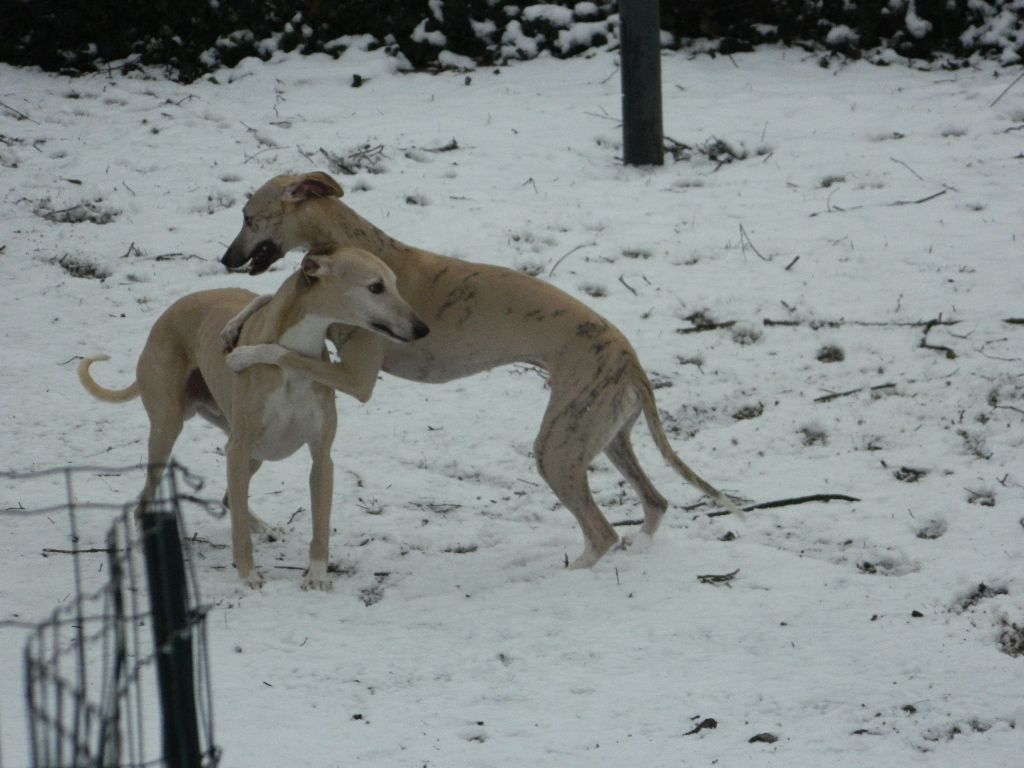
(419, 330)
(265, 254)
(259, 258)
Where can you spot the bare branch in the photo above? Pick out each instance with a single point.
(835, 395)
(1006, 90)
(823, 497)
(564, 255)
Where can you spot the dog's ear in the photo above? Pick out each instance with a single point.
(310, 185)
(313, 268)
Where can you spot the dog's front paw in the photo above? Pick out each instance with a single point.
(316, 577)
(229, 336)
(248, 356)
(636, 542)
(318, 585)
(254, 580)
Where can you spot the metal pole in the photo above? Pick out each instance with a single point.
(168, 592)
(640, 55)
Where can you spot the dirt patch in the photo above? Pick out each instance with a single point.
(91, 211)
(982, 592)
(1011, 638)
(79, 267)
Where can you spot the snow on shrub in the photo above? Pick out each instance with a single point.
(194, 37)
(999, 29)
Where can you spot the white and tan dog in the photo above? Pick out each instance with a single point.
(268, 411)
(481, 316)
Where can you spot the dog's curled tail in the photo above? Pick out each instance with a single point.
(646, 394)
(102, 393)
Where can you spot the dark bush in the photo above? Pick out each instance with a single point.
(192, 37)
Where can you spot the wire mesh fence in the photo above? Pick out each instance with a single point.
(118, 675)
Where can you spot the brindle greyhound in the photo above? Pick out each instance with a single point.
(268, 412)
(481, 316)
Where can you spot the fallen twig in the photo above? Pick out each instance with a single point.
(564, 255)
(707, 722)
(745, 241)
(197, 539)
(256, 154)
(1013, 408)
(717, 578)
(49, 215)
(900, 162)
(707, 327)
(17, 114)
(604, 117)
(261, 140)
(764, 505)
(836, 209)
(816, 324)
(823, 497)
(1006, 90)
(678, 149)
(836, 395)
(917, 202)
(950, 354)
(89, 551)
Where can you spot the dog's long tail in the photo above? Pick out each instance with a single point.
(102, 393)
(645, 391)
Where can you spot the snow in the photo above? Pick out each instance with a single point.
(841, 34)
(1003, 29)
(581, 35)
(422, 35)
(515, 44)
(882, 198)
(917, 26)
(450, 60)
(556, 15)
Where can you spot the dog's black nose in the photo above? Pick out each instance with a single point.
(420, 329)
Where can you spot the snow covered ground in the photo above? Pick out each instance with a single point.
(868, 202)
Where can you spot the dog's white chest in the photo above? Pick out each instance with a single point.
(293, 414)
(292, 417)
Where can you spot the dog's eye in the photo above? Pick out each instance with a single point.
(377, 287)
(247, 220)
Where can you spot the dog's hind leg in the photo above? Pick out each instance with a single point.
(563, 452)
(573, 490)
(163, 396)
(162, 435)
(620, 453)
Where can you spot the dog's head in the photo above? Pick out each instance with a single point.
(274, 220)
(354, 287)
